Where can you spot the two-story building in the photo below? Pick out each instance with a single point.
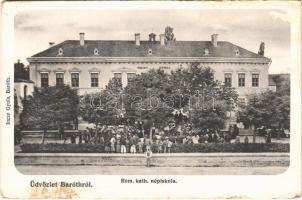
(89, 64)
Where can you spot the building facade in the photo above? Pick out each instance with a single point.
(88, 65)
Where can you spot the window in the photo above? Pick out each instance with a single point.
(118, 76)
(206, 52)
(59, 79)
(60, 52)
(74, 79)
(44, 79)
(96, 52)
(228, 79)
(241, 79)
(237, 53)
(94, 79)
(150, 52)
(130, 77)
(255, 80)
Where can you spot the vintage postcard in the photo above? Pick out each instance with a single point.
(151, 100)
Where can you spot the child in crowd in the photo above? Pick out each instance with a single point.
(165, 144)
(112, 142)
(184, 140)
(246, 140)
(85, 134)
(237, 140)
(148, 156)
(169, 145)
(159, 146)
(118, 145)
(140, 146)
(133, 144)
(195, 139)
(123, 145)
(127, 144)
(107, 145)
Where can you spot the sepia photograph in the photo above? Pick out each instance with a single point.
(152, 92)
(151, 100)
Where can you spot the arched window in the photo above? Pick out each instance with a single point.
(25, 91)
(206, 52)
(150, 51)
(96, 52)
(60, 52)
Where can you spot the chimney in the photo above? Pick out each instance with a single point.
(137, 39)
(51, 44)
(214, 39)
(162, 39)
(152, 37)
(82, 39)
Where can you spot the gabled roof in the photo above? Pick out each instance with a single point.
(124, 48)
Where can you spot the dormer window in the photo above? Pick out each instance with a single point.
(237, 53)
(96, 52)
(60, 52)
(150, 52)
(206, 52)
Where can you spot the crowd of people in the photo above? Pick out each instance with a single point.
(128, 139)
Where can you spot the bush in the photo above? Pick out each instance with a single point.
(230, 147)
(179, 148)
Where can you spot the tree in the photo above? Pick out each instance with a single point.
(157, 95)
(152, 99)
(20, 71)
(48, 107)
(206, 100)
(105, 107)
(169, 35)
(16, 105)
(146, 98)
(270, 109)
(282, 83)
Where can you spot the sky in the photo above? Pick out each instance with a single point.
(246, 28)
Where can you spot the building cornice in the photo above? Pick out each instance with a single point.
(147, 60)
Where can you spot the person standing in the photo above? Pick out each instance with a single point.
(118, 145)
(80, 137)
(269, 137)
(72, 138)
(215, 137)
(184, 140)
(165, 144)
(127, 144)
(140, 146)
(237, 140)
(123, 145)
(210, 138)
(112, 143)
(61, 131)
(107, 144)
(169, 146)
(148, 156)
(246, 140)
(133, 144)
(159, 146)
(195, 139)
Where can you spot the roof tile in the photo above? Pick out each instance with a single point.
(124, 48)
